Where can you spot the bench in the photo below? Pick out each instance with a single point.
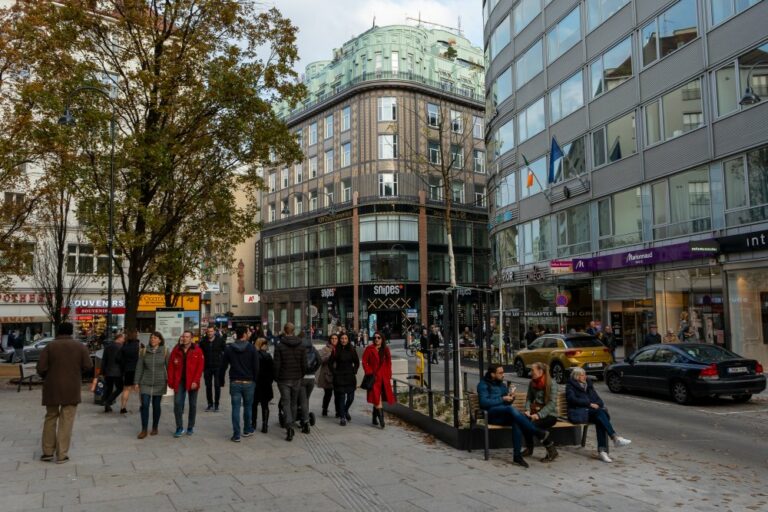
(478, 418)
(26, 373)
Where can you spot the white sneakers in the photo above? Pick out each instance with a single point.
(620, 441)
(604, 457)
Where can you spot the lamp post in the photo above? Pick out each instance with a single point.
(750, 97)
(68, 120)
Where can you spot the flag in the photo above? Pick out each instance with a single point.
(555, 153)
(529, 181)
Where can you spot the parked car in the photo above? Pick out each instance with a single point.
(562, 352)
(686, 371)
(31, 350)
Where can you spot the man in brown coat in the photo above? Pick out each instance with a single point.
(62, 363)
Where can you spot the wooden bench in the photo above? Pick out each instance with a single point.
(26, 373)
(478, 418)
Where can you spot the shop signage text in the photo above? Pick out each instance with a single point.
(389, 289)
(754, 241)
(96, 303)
(251, 299)
(642, 257)
(561, 266)
(328, 293)
(22, 298)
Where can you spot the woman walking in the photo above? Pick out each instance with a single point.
(152, 381)
(264, 393)
(324, 378)
(129, 358)
(377, 361)
(344, 364)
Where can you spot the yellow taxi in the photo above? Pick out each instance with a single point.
(562, 352)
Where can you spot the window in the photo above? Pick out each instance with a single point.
(681, 204)
(573, 163)
(394, 62)
(524, 12)
(313, 134)
(298, 204)
(674, 114)
(433, 115)
(612, 68)
(329, 126)
(500, 37)
(477, 127)
(673, 29)
(457, 156)
(600, 10)
(505, 191)
(457, 192)
(504, 138)
(329, 196)
(539, 170)
(346, 118)
(723, 9)
(746, 188)
(615, 141)
(537, 240)
(80, 259)
(284, 178)
(388, 185)
(312, 200)
(300, 137)
(531, 120)
(298, 173)
(566, 98)
(378, 61)
(272, 182)
(387, 147)
(328, 161)
(573, 231)
(620, 220)
(313, 167)
(480, 196)
(284, 210)
(457, 121)
(502, 87)
(272, 213)
(388, 109)
(530, 64)
(346, 154)
(346, 190)
(433, 152)
(731, 80)
(478, 157)
(507, 246)
(564, 35)
(435, 188)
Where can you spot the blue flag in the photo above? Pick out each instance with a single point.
(555, 154)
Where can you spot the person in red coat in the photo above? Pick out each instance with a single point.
(377, 361)
(185, 367)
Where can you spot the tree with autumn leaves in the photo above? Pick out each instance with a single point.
(192, 83)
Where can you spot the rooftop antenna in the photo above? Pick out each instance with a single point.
(374, 22)
(460, 32)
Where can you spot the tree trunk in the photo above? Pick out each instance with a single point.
(132, 298)
(449, 230)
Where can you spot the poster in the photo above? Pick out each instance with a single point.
(170, 324)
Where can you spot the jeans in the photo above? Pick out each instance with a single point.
(544, 424)
(113, 386)
(603, 427)
(327, 395)
(19, 355)
(242, 396)
(521, 426)
(212, 389)
(178, 407)
(344, 401)
(289, 399)
(307, 385)
(145, 402)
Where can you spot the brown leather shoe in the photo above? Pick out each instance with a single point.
(142, 434)
(153, 432)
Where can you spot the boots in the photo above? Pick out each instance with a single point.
(265, 421)
(381, 417)
(375, 416)
(551, 453)
(289, 433)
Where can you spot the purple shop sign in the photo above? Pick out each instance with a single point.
(651, 256)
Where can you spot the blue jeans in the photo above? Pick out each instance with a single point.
(178, 407)
(603, 427)
(521, 426)
(145, 401)
(242, 396)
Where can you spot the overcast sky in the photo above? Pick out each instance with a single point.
(327, 25)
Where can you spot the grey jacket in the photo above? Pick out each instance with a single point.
(537, 395)
(152, 371)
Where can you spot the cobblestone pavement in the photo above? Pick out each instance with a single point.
(357, 468)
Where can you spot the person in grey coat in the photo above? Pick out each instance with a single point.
(152, 381)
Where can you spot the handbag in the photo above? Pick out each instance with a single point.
(367, 383)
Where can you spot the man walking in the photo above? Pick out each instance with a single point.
(243, 363)
(112, 369)
(62, 363)
(17, 342)
(308, 382)
(290, 367)
(212, 346)
(185, 367)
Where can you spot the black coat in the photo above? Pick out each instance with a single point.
(264, 392)
(290, 359)
(213, 351)
(110, 360)
(129, 355)
(579, 398)
(344, 364)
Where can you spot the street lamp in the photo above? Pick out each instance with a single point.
(750, 97)
(68, 120)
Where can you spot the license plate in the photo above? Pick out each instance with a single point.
(594, 365)
(738, 369)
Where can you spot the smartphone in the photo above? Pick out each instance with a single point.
(512, 388)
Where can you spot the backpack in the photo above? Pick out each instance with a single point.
(313, 360)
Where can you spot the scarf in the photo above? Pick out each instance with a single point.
(538, 384)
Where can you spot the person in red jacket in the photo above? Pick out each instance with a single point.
(185, 367)
(377, 361)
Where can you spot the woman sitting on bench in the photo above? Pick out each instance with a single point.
(586, 406)
(495, 398)
(541, 407)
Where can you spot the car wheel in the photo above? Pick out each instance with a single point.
(614, 383)
(520, 368)
(743, 398)
(680, 393)
(558, 373)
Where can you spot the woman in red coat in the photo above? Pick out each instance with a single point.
(377, 361)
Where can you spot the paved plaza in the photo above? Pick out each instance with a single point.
(357, 467)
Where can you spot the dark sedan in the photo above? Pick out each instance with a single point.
(687, 371)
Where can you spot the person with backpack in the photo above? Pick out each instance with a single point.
(264, 392)
(290, 368)
(343, 364)
(243, 363)
(308, 382)
(324, 377)
(152, 381)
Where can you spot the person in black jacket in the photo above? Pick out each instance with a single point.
(290, 367)
(434, 344)
(212, 346)
(112, 371)
(129, 358)
(243, 363)
(264, 392)
(344, 364)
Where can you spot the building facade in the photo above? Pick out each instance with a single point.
(653, 206)
(354, 234)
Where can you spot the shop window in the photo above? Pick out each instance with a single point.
(673, 29)
(573, 229)
(620, 220)
(746, 188)
(674, 114)
(731, 80)
(611, 69)
(681, 205)
(615, 141)
(748, 293)
(573, 162)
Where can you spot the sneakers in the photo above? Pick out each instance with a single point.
(620, 441)
(46, 458)
(215, 408)
(248, 433)
(603, 456)
(190, 431)
(520, 461)
(235, 439)
(209, 408)
(179, 432)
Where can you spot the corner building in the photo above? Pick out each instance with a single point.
(657, 211)
(355, 230)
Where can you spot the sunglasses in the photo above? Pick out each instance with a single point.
(377, 337)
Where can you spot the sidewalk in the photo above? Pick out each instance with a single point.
(357, 467)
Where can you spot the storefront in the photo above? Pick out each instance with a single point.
(389, 304)
(89, 316)
(23, 312)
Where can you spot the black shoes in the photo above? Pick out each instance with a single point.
(305, 428)
(123, 411)
(46, 458)
(380, 413)
(289, 434)
(520, 461)
(343, 422)
(551, 453)
(325, 412)
(375, 416)
(348, 417)
(264, 428)
(107, 408)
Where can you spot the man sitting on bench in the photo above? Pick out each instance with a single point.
(495, 398)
